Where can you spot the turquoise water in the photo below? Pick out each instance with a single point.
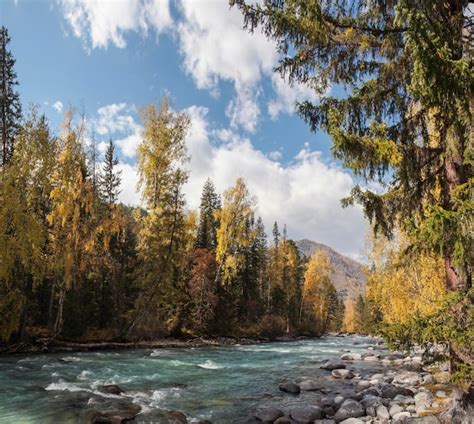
(219, 384)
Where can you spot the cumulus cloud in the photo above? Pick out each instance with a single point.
(118, 119)
(286, 96)
(212, 42)
(99, 22)
(58, 106)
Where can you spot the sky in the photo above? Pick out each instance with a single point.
(113, 57)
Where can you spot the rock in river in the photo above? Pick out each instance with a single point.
(333, 365)
(390, 391)
(306, 414)
(268, 415)
(344, 374)
(310, 385)
(349, 409)
(290, 387)
(113, 389)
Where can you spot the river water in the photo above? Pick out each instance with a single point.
(219, 384)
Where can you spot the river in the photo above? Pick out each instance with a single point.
(219, 384)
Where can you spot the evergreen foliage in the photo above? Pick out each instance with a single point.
(10, 106)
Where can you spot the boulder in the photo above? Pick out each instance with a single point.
(310, 385)
(123, 415)
(371, 401)
(441, 394)
(326, 421)
(290, 387)
(422, 401)
(400, 417)
(382, 413)
(409, 378)
(342, 373)
(112, 389)
(428, 379)
(404, 400)
(333, 365)
(268, 415)
(372, 358)
(372, 391)
(361, 386)
(326, 401)
(351, 357)
(349, 409)
(338, 400)
(395, 409)
(390, 391)
(329, 412)
(307, 414)
(352, 421)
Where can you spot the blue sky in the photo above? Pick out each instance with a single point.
(115, 56)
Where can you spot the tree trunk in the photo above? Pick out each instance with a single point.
(58, 324)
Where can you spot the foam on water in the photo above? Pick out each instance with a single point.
(210, 365)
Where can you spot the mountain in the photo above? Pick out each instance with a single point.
(347, 275)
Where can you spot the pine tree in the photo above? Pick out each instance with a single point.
(109, 179)
(210, 203)
(10, 107)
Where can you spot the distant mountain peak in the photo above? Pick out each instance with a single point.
(347, 275)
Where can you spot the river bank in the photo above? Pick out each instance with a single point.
(43, 345)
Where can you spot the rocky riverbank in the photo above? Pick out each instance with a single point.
(403, 389)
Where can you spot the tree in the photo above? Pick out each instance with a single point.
(109, 179)
(24, 196)
(210, 203)
(202, 291)
(163, 234)
(70, 230)
(233, 242)
(10, 107)
(402, 114)
(317, 290)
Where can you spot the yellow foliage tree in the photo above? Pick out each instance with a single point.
(316, 302)
(403, 284)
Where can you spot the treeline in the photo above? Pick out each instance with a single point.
(74, 262)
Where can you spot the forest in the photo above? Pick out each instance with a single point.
(75, 263)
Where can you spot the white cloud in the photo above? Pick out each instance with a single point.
(58, 106)
(216, 48)
(117, 118)
(99, 22)
(212, 42)
(275, 155)
(129, 194)
(287, 95)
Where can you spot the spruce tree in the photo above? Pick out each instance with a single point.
(10, 107)
(210, 203)
(110, 178)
